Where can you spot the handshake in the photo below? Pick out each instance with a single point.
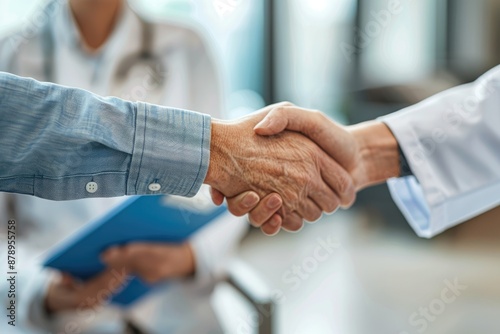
(284, 164)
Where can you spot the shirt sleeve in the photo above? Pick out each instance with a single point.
(62, 143)
(452, 144)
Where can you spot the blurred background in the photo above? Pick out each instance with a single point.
(355, 60)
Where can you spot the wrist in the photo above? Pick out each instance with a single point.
(378, 154)
(215, 174)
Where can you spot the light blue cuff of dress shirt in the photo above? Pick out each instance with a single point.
(171, 151)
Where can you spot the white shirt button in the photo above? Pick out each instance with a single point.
(91, 187)
(154, 186)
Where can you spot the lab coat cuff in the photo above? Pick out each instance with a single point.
(412, 145)
(171, 151)
(419, 197)
(33, 307)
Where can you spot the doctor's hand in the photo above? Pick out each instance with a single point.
(367, 151)
(65, 293)
(152, 262)
(306, 179)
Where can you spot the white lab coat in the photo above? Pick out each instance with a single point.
(192, 82)
(452, 143)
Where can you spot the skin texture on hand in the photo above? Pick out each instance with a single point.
(287, 163)
(151, 262)
(367, 151)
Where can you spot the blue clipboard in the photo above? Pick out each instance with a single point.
(141, 218)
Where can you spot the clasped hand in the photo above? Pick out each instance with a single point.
(267, 156)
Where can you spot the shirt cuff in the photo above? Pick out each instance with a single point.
(171, 151)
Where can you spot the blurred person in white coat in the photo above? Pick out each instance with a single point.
(107, 48)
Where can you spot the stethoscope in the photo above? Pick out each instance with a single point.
(145, 57)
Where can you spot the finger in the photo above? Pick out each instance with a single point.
(113, 256)
(276, 218)
(265, 209)
(309, 210)
(324, 197)
(140, 260)
(292, 223)
(274, 123)
(122, 257)
(243, 203)
(217, 196)
(134, 256)
(272, 227)
(339, 180)
(292, 118)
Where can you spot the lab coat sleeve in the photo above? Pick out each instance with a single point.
(452, 143)
(32, 311)
(34, 318)
(56, 140)
(214, 246)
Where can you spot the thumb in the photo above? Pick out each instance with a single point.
(275, 122)
(290, 118)
(217, 196)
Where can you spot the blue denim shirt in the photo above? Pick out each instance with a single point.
(58, 143)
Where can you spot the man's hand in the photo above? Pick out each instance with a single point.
(152, 262)
(65, 293)
(287, 164)
(368, 152)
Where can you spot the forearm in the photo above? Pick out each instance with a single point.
(55, 140)
(451, 142)
(378, 154)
